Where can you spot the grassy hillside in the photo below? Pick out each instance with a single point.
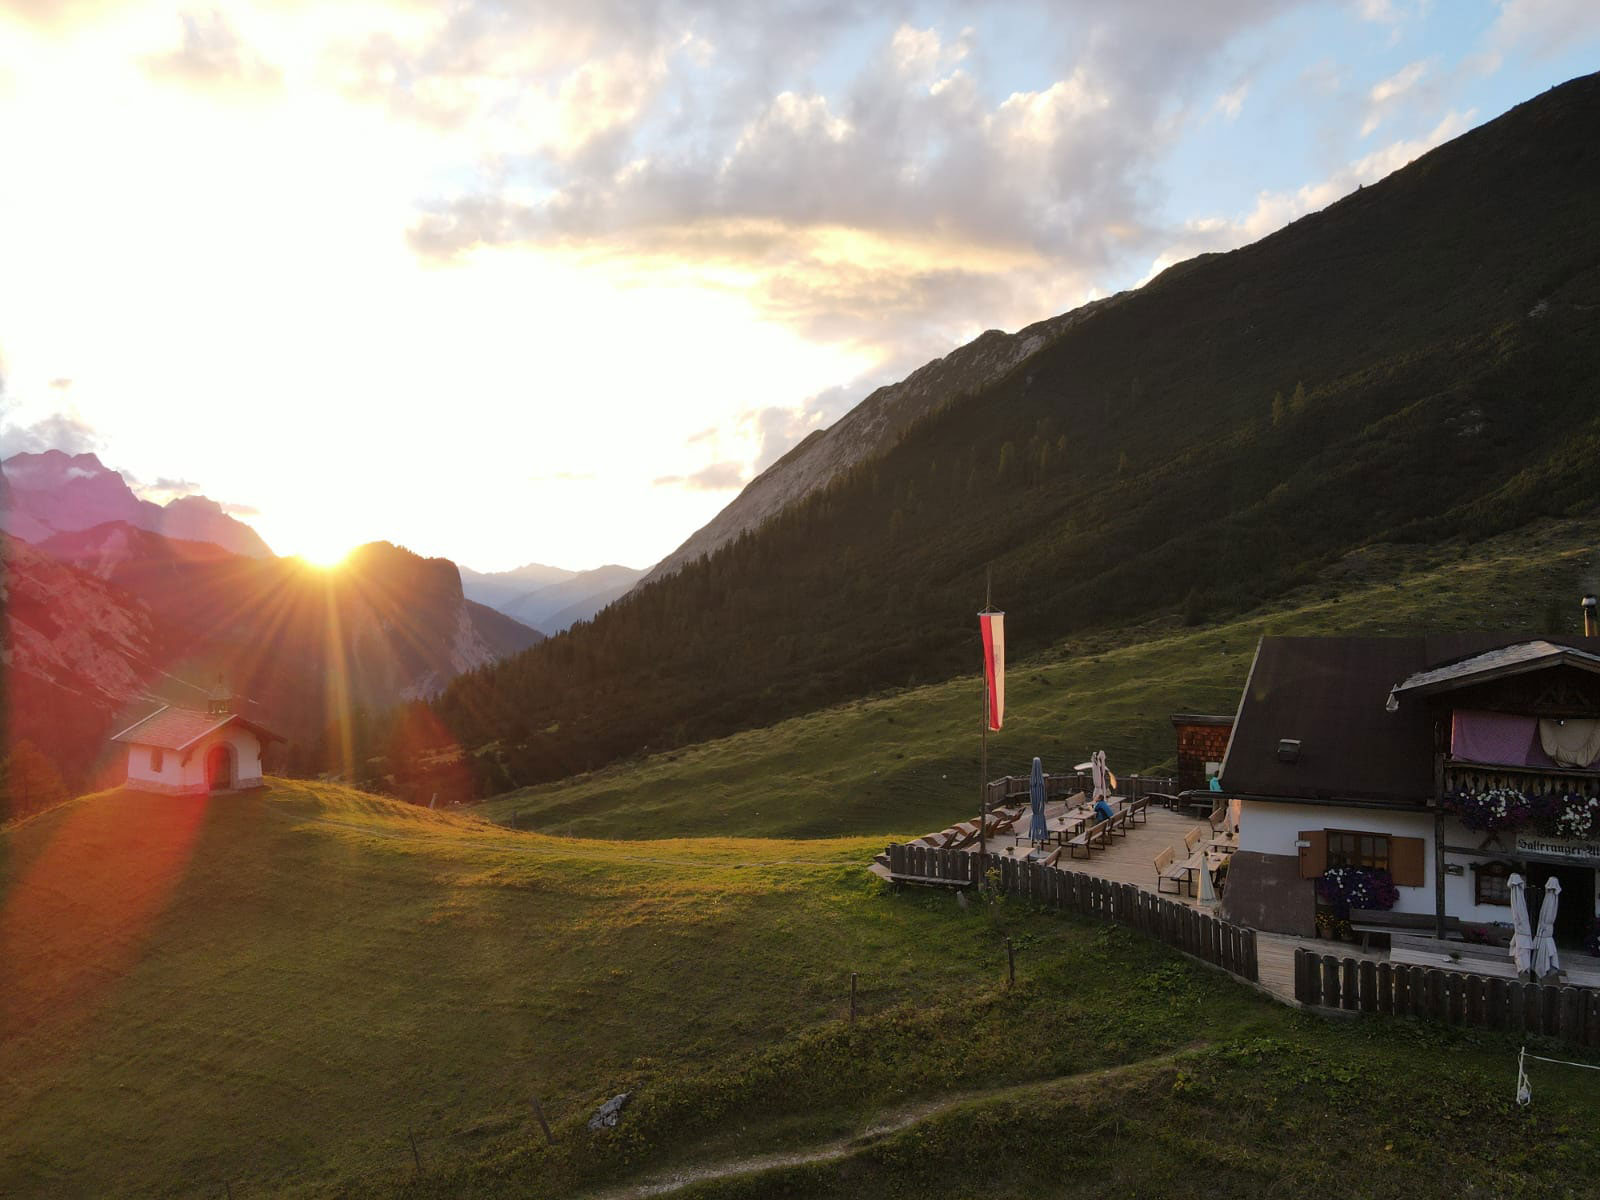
(907, 762)
(266, 993)
(1416, 362)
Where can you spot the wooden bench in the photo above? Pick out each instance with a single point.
(1193, 838)
(1168, 872)
(1085, 841)
(1369, 921)
(1139, 810)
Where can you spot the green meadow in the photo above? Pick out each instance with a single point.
(272, 994)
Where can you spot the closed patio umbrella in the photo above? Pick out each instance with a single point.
(1521, 930)
(1039, 831)
(1104, 780)
(1545, 959)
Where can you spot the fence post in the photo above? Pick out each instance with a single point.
(1330, 981)
(1369, 985)
(1302, 975)
(1352, 989)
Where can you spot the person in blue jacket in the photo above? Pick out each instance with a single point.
(1102, 810)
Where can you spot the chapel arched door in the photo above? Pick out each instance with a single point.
(219, 768)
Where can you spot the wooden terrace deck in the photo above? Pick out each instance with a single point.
(1130, 858)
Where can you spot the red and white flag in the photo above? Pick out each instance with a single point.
(993, 626)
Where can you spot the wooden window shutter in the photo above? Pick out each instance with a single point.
(1313, 855)
(1406, 858)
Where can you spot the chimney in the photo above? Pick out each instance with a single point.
(1591, 623)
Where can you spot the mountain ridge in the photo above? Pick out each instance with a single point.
(870, 428)
(55, 492)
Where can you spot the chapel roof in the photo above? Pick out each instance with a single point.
(173, 728)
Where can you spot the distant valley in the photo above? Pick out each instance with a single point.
(550, 599)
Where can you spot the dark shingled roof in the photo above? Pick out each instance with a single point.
(170, 728)
(1330, 693)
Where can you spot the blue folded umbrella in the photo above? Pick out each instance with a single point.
(1039, 831)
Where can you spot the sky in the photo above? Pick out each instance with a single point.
(512, 282)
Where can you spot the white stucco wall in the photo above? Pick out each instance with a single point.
(185, 771)
(168, 778)
(1274, 829)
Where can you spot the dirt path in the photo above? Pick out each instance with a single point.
(667, 1182)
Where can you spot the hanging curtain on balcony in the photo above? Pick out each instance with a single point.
(1501, 739)
(1571, 743)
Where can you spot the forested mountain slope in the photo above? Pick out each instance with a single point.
(1418, 361)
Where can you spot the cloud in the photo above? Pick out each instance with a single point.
(56, 15)
(1383, 96)
(59, 431)
(1231, 103)
(718, 477)
(1546, 26)
(212, 57)
(909, 200)
(241, 510)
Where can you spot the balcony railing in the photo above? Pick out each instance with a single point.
(1480, 777)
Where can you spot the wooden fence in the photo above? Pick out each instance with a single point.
(1231, 947)
(1454, 997)
(1009, 788)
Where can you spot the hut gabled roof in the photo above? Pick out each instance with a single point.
(172, 728)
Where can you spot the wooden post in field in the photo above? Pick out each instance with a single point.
(538, 1112)
(415, 1157)
(1011, 964)
(852, 997)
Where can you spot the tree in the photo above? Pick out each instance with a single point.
(1297, 402)
(29, 782)
(1122, 463)
(1277, 409)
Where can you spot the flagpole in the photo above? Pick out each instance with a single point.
(983, 756)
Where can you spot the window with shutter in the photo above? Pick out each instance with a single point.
(1407, 859)
(1349, 848)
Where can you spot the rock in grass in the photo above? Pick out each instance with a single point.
(609, 1113)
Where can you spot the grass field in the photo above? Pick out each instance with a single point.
(266, 993)
(907, 762)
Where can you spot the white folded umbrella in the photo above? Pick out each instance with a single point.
(1545, 959)
(1521, 930)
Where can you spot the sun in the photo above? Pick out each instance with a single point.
(324, 554)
